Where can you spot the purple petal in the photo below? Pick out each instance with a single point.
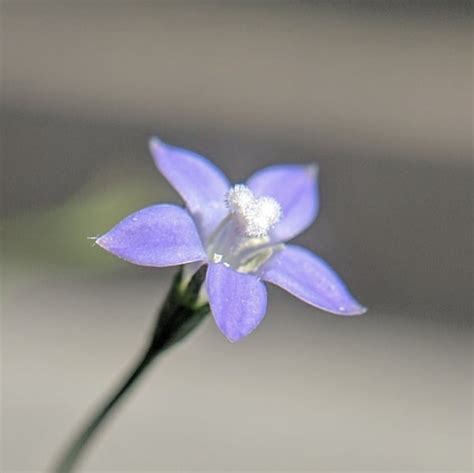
(311, 279)
(160, 235)
(295, 188)
(238, 301)
(202, 185)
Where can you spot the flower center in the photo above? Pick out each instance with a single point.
(242, 239)
(255, 216)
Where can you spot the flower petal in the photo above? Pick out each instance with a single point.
(294, 186)
(160, 235)
(202, 185)
(238, 301)
(311, 279)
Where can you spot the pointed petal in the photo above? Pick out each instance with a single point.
(201, 185)
(160, 235)
(311, 279)
(295, 189)
(238, 301)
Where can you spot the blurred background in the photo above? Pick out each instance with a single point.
(377, 93)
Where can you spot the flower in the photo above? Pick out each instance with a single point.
(239, 232)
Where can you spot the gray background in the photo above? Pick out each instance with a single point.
(377, 93)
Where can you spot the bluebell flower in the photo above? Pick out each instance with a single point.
(239, 232)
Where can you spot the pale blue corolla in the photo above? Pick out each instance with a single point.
(240, 233)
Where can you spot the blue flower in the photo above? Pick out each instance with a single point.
(239, 232)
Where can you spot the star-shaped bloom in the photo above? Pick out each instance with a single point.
(239, 232)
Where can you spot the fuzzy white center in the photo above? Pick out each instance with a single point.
(255, 215)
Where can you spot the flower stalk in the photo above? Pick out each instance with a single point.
(178, 317)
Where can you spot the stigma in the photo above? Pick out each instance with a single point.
(254, 216)
(242, 240)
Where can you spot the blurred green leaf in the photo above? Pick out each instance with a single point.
(62, 235)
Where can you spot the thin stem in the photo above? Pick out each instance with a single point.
(178, 317)
(69, 459)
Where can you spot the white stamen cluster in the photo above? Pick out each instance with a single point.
(255, 216)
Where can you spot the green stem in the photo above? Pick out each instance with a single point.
(68, 461)
(178, 317)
